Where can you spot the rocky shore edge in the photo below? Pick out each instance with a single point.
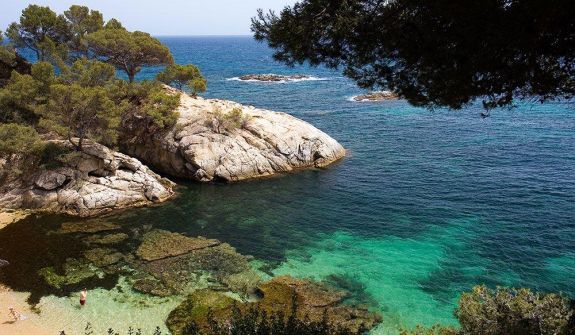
(212, 140)
(94, 181)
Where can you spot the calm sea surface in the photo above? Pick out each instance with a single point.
(426, 204)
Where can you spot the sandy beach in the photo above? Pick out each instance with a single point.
(32, 325)
(7, 218)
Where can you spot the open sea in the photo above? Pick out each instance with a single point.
(426, 204)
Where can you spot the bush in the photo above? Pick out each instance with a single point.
(229, 121)
(146, 99)
(17, 139)
(181, 75)
(508, 311)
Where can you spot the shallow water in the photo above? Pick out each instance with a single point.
(426, 205)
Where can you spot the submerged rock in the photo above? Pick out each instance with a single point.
(88, 226)
(171, 262)
(75, 272)
(277, 296)
(273, 77)
(159, 244)
(106, 239)
(95, 181)
(376, 96)
(152, 286)
(196, 308)
(102, 257)
(223, 140)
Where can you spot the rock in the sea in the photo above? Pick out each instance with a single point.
(313, 301)
(97, 180)
(106, 239)
(376, 96)
(272, 77)
(159, 244)
(223, 140)
(152, 286)
(75, 272)
(196, 308)
(102, 257)
(170, 262)
(87, 226)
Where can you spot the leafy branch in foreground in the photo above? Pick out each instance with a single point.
(434, 53)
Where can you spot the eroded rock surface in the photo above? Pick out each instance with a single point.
(95, 181)
(261, 143)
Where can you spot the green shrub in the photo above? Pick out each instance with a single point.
(229, 121)
(146, 99)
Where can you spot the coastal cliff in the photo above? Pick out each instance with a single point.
(95, 181)
(223, 140)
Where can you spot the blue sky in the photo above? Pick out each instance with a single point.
(162, 17)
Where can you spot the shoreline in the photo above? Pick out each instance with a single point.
(32, 325)
(12, 216)
(105, 309)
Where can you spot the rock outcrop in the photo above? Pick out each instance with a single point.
(273, 77)
(376, 96)
(223, 140)
(313, 301)
(97, 180)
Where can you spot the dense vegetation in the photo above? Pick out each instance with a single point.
(72, 91)
(434, 53)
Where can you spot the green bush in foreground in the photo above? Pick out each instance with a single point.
(508, 311)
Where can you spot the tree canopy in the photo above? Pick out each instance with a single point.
(128, 51)
(17, 139)
(183, 75)
(434, 53)
(39, 29)
(82, 21)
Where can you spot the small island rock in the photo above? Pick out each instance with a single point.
(272, 77)
(376, 96)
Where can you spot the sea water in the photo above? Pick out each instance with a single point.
(426, 204)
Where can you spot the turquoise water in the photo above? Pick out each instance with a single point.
(426, 205)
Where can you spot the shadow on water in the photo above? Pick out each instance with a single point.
(33, 244)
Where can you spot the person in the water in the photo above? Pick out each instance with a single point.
(83, 296)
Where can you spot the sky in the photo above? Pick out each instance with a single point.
(162, 17)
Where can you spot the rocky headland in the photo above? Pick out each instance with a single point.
(274, 78)
(376, 96)
(95, 181)
(223, 140)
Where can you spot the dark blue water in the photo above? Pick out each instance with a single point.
(493, 199)
(426, 204)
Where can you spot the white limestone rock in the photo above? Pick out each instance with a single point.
(265, 144)
(100, 180)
